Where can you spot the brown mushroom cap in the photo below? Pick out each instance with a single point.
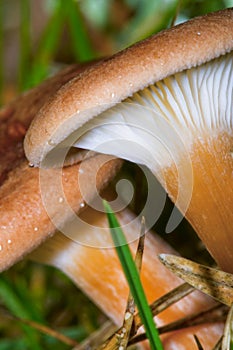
(24, 220)
(106, 84)
(25, 223)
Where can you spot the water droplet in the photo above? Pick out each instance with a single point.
(9, 241)
(112, 94)
(0, 247)
(51, 143)
(81, 171)
(198, 33)
(82, 205)
(35, 228)
(127, 315)
(31, 165)
(61, 200)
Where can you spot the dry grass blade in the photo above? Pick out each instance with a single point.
(227, 341)
(216, 313)
(51, 332)
(167, 300)
(97, 337)
(215, 283)
(199, 346)
(218, 344)
(120, 339)
(158, 306)
(141, 243)
(42, 328)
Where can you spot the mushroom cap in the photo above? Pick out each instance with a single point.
(26, 221)
(102, 86)
(25, 224)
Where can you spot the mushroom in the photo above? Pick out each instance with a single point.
(166, 103)
(25, 223)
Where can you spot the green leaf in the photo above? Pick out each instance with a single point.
(133, 279)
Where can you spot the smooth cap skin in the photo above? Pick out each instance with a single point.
(24, 220)
(104, 85)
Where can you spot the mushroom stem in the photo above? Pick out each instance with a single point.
(98, 273)
(211, 207)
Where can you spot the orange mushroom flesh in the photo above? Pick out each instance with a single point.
(98, 273)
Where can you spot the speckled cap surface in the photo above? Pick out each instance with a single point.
(111, 81)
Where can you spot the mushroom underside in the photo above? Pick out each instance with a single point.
(157, 125)
(181, 129)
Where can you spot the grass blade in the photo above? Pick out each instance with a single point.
(80, 40)
(47, 47)
(19, 309)
(25, 43)
(132, 276)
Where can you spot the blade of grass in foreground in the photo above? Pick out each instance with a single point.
(133, 279)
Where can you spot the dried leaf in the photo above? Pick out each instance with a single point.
(217, 284)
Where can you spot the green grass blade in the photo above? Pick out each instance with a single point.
(47, 47)
(150, 17)
(133, 278)
(25, 43)
(80, 40)
(14, 303)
